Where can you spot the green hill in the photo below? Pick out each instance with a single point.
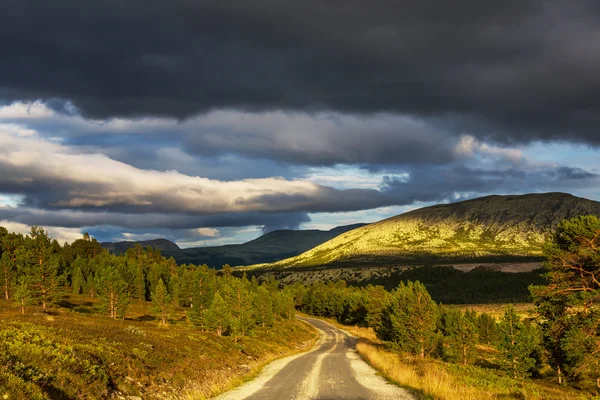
(270, 247)
(487, 229)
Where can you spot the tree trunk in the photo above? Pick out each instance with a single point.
(6, 282)
(559, 372)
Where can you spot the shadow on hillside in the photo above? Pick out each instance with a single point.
(86, 307)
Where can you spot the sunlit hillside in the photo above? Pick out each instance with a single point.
(493, 228)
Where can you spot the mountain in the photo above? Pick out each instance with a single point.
(163, 245)
(492, 229)
(273, 246)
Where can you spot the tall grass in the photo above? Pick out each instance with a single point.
(436, 379)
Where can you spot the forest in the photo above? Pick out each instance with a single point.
(40, 278)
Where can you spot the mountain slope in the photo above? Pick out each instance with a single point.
(492, 228)
(273, 246)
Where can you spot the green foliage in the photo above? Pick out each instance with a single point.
(78, 281)
(217, 317)
(112, 290)
(567, 305)
(487, 328)
(518, 344)
(23, 296)
(461, 331)
(161, 302)
(408, 319)
(40, 262)
(263, 307)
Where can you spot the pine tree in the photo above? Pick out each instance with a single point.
(161, 302)
(263, 307)
(7, 269)
(23, 295)
(217, 316)
(566, 306)
(41, 264)
(140, 283)
(462, 334)
(487, 328)
(409, 319)
(112, 290)
(78, 281)
(518, 344)
(203, 289)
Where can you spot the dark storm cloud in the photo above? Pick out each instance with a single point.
(515, 69)
(77, 219)
(445, 183)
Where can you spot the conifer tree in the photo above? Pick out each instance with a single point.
(567, 304)
(263, 306)
(518, 343)
(409, 319)
(41, 264)
(487, 329)
(140, 283)
(203, 289)
(218, 317)
(112, 290)
(161, 302)
(7, 269)
(23, 295)
(78, 281)
(462, 334)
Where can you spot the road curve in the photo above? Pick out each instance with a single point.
(331, 370)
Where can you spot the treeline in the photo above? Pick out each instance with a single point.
(410, 321)
(564, 333)
(480, 285)
(36, 270)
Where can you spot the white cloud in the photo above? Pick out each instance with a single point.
(62, 235)
(95, 180)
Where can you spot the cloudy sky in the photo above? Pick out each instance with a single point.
(210, 122)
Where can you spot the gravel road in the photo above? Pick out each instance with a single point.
(331, 370)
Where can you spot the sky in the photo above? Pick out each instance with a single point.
(211, 122)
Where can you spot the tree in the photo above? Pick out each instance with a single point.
(202, 292)
(41, 263)
(487, 329)
(7, 268)
(518, 344)
(23, 295)
(462, 333)
(237, 294)
(112, 290)
(409, 319)
(263, 307)
(217, 316)
(566, 305)
(78, 281)
(161, 302)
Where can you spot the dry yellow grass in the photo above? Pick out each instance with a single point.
(446, 381)
(429, 378)
(524, 310)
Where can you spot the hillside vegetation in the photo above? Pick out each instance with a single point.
(551, 352)
(273, 246)
(488, 229)
(79, 322)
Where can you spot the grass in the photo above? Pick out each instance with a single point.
(524, 310)
(435, 379)
(74, 353)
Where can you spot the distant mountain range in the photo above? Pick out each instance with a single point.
(487, 229)
(273, 246)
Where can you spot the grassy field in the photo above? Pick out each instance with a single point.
(524, 310)
(72, 352)
(435, 379)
